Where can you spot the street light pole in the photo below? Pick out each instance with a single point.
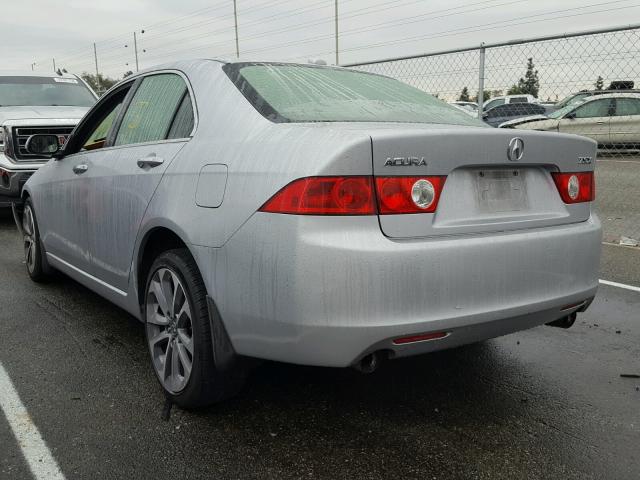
(95, 57)
(337, 33)
(235, 16)
(135, 49)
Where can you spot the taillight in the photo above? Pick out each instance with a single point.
(355, 196)
(575, 187)
(408, 194)
(325, 196)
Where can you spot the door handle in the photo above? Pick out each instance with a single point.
(150, 162)
(600, 123)
(80, 169)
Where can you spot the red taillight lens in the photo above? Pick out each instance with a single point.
(575, 187)
(325, 196)
(408, 194)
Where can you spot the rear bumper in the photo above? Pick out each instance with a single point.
(327, 291)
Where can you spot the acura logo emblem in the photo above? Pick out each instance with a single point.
(516, 149)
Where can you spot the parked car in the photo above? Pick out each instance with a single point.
(575, 98)
(612, 120)
(308, 214)
(503, 113)
(507, 99)
(470, 108)
(35, 103)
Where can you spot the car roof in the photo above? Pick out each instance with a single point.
(620, 94)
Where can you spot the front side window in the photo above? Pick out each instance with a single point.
(307, 93)
(151, 112)
(627, 106)
(44, 91)
(98, 137)
(597, 108)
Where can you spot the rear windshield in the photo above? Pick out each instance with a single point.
(300, 93)
(44, 91)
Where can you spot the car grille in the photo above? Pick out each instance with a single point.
(21, 134)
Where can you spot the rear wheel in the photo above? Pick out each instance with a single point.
(33, 253)
(179, 334)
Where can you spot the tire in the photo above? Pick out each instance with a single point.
(180, 343)
(37, 267)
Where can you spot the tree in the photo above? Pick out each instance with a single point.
(529, 85)
(599, 83)
(128, 73)
(486, 96)
(464, 95)
(99, 83)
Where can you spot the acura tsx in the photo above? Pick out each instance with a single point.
(308, 214)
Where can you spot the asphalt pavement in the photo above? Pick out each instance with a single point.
(541, 404)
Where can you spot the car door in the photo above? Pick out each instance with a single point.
(156, 123)
(625, 123)
(62, 203)
(590, 119)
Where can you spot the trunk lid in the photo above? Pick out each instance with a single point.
(484, 191)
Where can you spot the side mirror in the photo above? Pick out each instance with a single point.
(485, 115)
(43, 145)
(570, 115)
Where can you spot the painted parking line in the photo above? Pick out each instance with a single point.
(35, 451)
(620, 285)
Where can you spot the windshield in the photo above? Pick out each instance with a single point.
(44, 91)
(563, 111)
(572, 99)
(300, 93)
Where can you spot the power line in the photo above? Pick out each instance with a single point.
(352, 31)
(490, 26)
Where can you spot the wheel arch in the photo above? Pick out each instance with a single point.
(155, 240)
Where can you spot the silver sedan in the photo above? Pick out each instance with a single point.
(308, 214)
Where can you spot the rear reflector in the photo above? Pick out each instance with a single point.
(575, 187)
(420, 338)
(325, 196)
(398, 195)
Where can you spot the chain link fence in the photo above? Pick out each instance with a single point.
(585, 83)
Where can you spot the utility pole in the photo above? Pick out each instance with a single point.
(135, 48)
(481, 82)
(95, 57)
(337, 33)
(32, 66)
(54, 64)
(235, 16)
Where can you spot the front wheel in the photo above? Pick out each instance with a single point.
(33, 253)
(179, 334)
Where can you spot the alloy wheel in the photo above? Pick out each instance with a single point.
(169, 330)
(30, 245)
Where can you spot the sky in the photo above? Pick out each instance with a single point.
(34, 32)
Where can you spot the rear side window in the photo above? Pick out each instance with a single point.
(308, 93)
(152, 110)
(494, 103)
(627, 106)
(182, 124)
